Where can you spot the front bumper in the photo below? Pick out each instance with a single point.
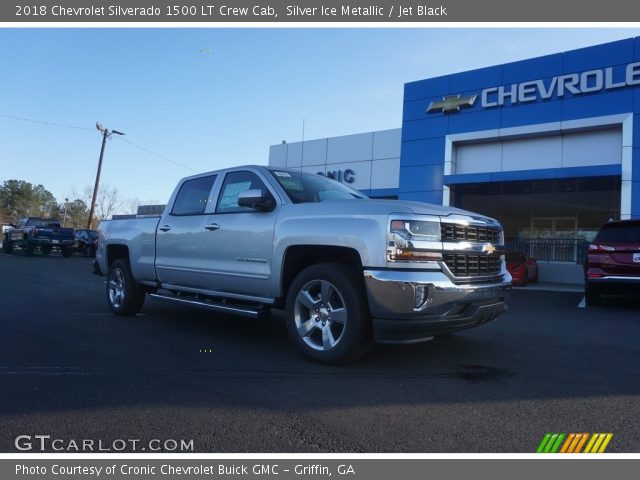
(413, 306)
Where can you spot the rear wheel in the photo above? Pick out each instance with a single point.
(327, 314)
(7, 246)
(28, 247)
(591, 294)
(89, 251)
(124, 295)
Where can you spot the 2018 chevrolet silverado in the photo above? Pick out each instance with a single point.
(347, 270)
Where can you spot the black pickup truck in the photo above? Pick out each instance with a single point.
(43, 233)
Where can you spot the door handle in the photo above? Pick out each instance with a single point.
(165, 228)
(212, 226)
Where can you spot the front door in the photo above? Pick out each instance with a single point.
(238, 242)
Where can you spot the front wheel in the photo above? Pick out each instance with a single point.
(124, 295)
(89, 251)
(28, 247)
(7, 247)
(66, 251)
(327, 314)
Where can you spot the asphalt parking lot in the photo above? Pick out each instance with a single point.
(72, 370)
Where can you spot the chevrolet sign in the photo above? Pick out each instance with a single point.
(574, 83)
(451, 103)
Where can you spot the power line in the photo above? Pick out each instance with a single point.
(42, 122)
(14, 117)
(155, 154)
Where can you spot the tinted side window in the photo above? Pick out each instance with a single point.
(234, 184)
(193, 196)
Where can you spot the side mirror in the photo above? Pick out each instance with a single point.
(256, 199)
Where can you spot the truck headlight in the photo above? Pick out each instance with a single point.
(414, 240)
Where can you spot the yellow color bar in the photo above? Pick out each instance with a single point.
(606, 441)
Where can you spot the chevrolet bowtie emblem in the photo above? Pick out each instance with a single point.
(451, 103)
(489, 248)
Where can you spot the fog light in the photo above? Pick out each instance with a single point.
(422, 297)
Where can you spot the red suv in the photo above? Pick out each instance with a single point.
(613, 261)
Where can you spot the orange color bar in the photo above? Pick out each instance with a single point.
(567, 442)
(582, 440)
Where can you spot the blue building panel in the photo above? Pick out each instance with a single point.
(590, 171)
(427, 88)
(427, 128)
(531, 114)
(598, 56)
(421, 178)
(635, 164)
(470, 121)
(635, 199)
(464, 178)
(423, 152)
(417, 110)
(434, 196)
(476, 79)
(533, 69)
(597, 104)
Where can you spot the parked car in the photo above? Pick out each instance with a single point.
(613, 261)
(523, 269)
(86, 242)
(43, 233)
(347, 270)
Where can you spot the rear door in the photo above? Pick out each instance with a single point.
(179, 237)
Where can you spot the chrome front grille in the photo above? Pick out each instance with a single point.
(465, 265)
(470, 233)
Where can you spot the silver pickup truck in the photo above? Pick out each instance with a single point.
(347, 270)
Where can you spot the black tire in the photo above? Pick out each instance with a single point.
(7, 246)
(591, 294)
(124, 295)
(89, 251)
(46, 250)
(28, 247)
(317, 297)
(66, 251)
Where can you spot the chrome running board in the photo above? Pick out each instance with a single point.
(252, 312)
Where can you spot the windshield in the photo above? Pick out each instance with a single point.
(309, 188)
(43, 222)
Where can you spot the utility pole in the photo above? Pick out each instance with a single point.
(105, 134)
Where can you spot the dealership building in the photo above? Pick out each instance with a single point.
(549, 146)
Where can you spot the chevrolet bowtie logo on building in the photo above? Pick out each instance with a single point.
(452, 103)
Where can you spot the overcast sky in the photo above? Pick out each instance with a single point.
(213, 98)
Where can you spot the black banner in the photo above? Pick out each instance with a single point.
(287, 11)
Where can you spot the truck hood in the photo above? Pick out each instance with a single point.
(381, 207)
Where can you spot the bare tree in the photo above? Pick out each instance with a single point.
(109, 201)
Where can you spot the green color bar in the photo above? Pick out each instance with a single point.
(550, 443)
(555, 448)
(543, 443)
